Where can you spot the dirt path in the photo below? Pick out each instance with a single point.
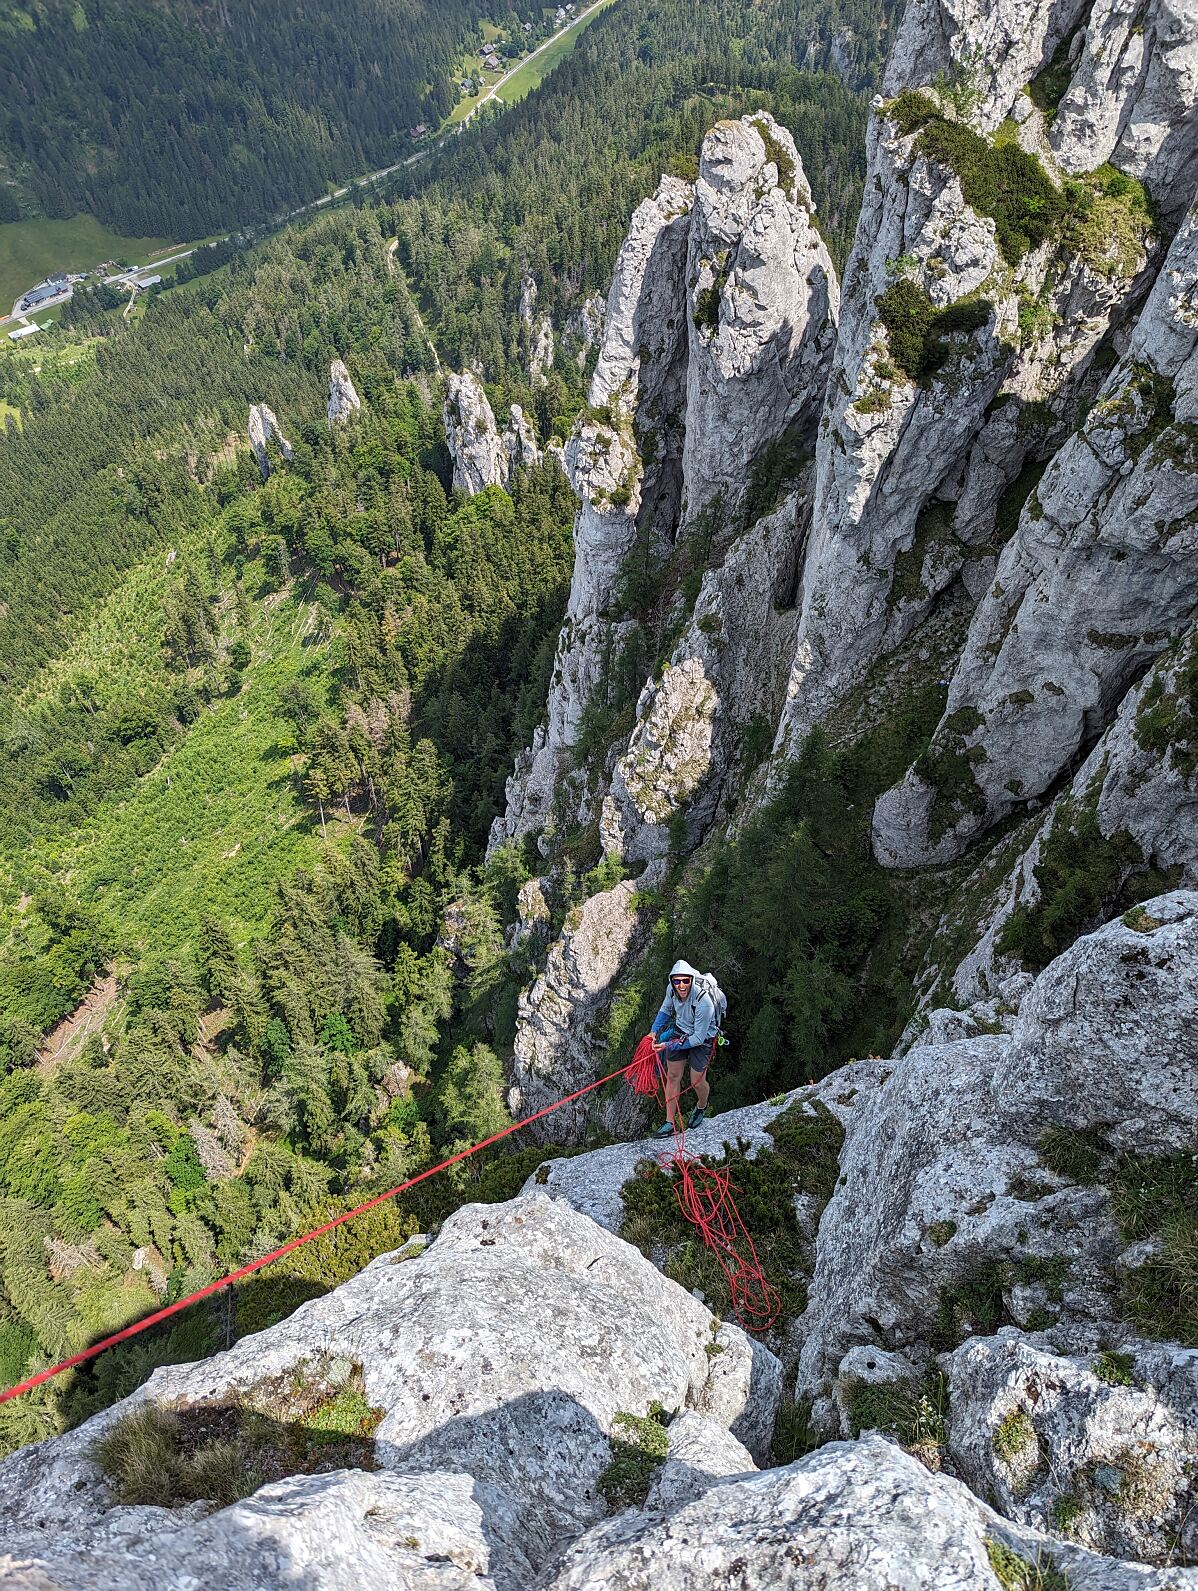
(69, 1037)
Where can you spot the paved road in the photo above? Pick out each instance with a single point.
(128, 278)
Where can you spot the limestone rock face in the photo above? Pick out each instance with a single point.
(729, 668)
(941, 1171)
(584, 329)
(538, 330)
(501, 1355)
(763, 298)
(1138, 785)
(909, 473)
(640, 368)
(263, 429)
(343, 395)
(1098, 577)
(555, 1051)
(520, 442)
(479, 458)
(1115, 1433)
(717, 339)
(854, 1516)
(1131, 99)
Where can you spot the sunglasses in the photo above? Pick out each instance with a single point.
(679, 982)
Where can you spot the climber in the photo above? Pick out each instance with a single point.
(685, 1032)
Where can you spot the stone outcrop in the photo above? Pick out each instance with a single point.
(264, 432)
(717, 340)
(520, 441)
(479, 457)
(482, 455)
(861, 1516)
(729, 668)
(639, 370)
(942, 1174)
(584, 329)
(1137, 785)
(1131, 98)
(1102, 1448)
(763, 296)
(500, 1359)
(1098, 578)
(557, 1046)
(538, 330)
(343, 395)
(913, 460)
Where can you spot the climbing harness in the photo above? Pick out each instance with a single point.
(704, 1195)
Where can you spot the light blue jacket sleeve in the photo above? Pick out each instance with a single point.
(664, 1016)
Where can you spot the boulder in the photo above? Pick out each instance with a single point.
(1102, 1449)
(854, 1516)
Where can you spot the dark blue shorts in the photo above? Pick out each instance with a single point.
(697, 1058)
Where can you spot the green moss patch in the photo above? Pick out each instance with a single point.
(1116, 1369)
(637, 1454)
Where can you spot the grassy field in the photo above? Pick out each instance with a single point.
(29, 250)
(533, 72)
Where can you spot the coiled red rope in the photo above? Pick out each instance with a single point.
(717, 1225)
(706, 1197)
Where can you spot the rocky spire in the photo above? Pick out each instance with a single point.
(262, 430)
(763, 299)
(478, 455)
(343, 395)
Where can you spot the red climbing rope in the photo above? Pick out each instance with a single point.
(719, 1225)
(706, 1197)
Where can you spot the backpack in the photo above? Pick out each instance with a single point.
(707, 983)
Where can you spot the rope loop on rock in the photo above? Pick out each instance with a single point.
(706, 1196)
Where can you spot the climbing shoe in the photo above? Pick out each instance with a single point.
(666, 1130)
(696, 1116)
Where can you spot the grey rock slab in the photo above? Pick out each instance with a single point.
(504, 1351)
(853, 1516)
(1029, 1428)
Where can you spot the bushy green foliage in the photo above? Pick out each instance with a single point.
(1000, 180)
(637, 1454)
(915, 1412)
(1167, 717)
(921, 337)
(1084, 877)
(804, 1159)
(805, 997)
